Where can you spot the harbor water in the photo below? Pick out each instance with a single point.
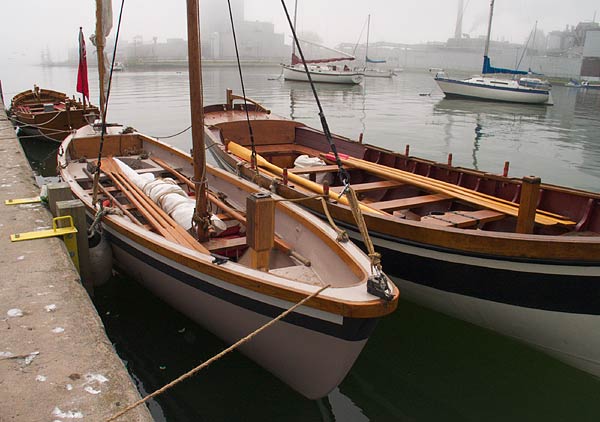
(419, 365)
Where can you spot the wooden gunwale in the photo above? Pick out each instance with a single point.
(195, 261)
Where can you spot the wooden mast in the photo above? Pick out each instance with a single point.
(197, 114)
(100, 53)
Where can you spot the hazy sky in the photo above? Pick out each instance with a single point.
(30, 26)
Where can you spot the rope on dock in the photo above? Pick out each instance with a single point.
(216, 357)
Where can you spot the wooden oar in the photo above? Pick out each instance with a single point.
(245, 154)
(455, 191)
(155, 215)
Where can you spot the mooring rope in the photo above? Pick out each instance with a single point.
(98, 218)
(216, 357)
(36, 125)
(174, 135)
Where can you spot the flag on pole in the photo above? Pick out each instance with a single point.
(82, 77)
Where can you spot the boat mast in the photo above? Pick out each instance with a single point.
(197, 115)
(489, 31)
(100, 53)
(367, 47)
(295, 14)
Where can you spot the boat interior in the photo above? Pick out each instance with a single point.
(293, 253)
(281, 142)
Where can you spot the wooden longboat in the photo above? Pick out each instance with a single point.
(50, 114)
(536, 279)
(215, 282)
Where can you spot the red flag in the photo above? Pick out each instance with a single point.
(82, 77)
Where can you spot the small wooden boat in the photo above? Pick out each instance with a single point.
(223, 252)
(214, 282)
(464, 242)
(50, 114)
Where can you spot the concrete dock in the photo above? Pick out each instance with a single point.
(56, 362)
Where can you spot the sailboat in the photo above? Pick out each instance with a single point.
(321, 70)
(225, 252)
(519, 89)
(374, 72)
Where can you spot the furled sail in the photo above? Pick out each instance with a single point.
(320, 49)
(169, 196)
(487, 68)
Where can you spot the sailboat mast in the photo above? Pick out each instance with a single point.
(197, 115)
(368, 30)
(100, 53)
(489, 31)
(295, 14)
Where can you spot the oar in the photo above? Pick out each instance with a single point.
(245, 154)
(449, 189)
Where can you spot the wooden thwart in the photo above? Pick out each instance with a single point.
(411, 202)
(463, 219)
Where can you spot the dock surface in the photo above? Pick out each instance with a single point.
(56, 362)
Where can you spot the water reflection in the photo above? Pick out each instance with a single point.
(333, 97)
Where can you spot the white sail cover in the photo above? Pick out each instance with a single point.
(169, 196)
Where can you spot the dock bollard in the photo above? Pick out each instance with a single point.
(76, 210)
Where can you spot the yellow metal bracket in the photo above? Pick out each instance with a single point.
(23, 201)
(68, 234)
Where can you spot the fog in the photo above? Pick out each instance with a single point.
(32, 26)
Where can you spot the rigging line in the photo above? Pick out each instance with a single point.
(237, 54)
(103, 116)
(174, 135)
(359, 37)
(342, 173)
(524, 50)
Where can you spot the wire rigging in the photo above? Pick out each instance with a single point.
(342, 173)
(237, 54)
